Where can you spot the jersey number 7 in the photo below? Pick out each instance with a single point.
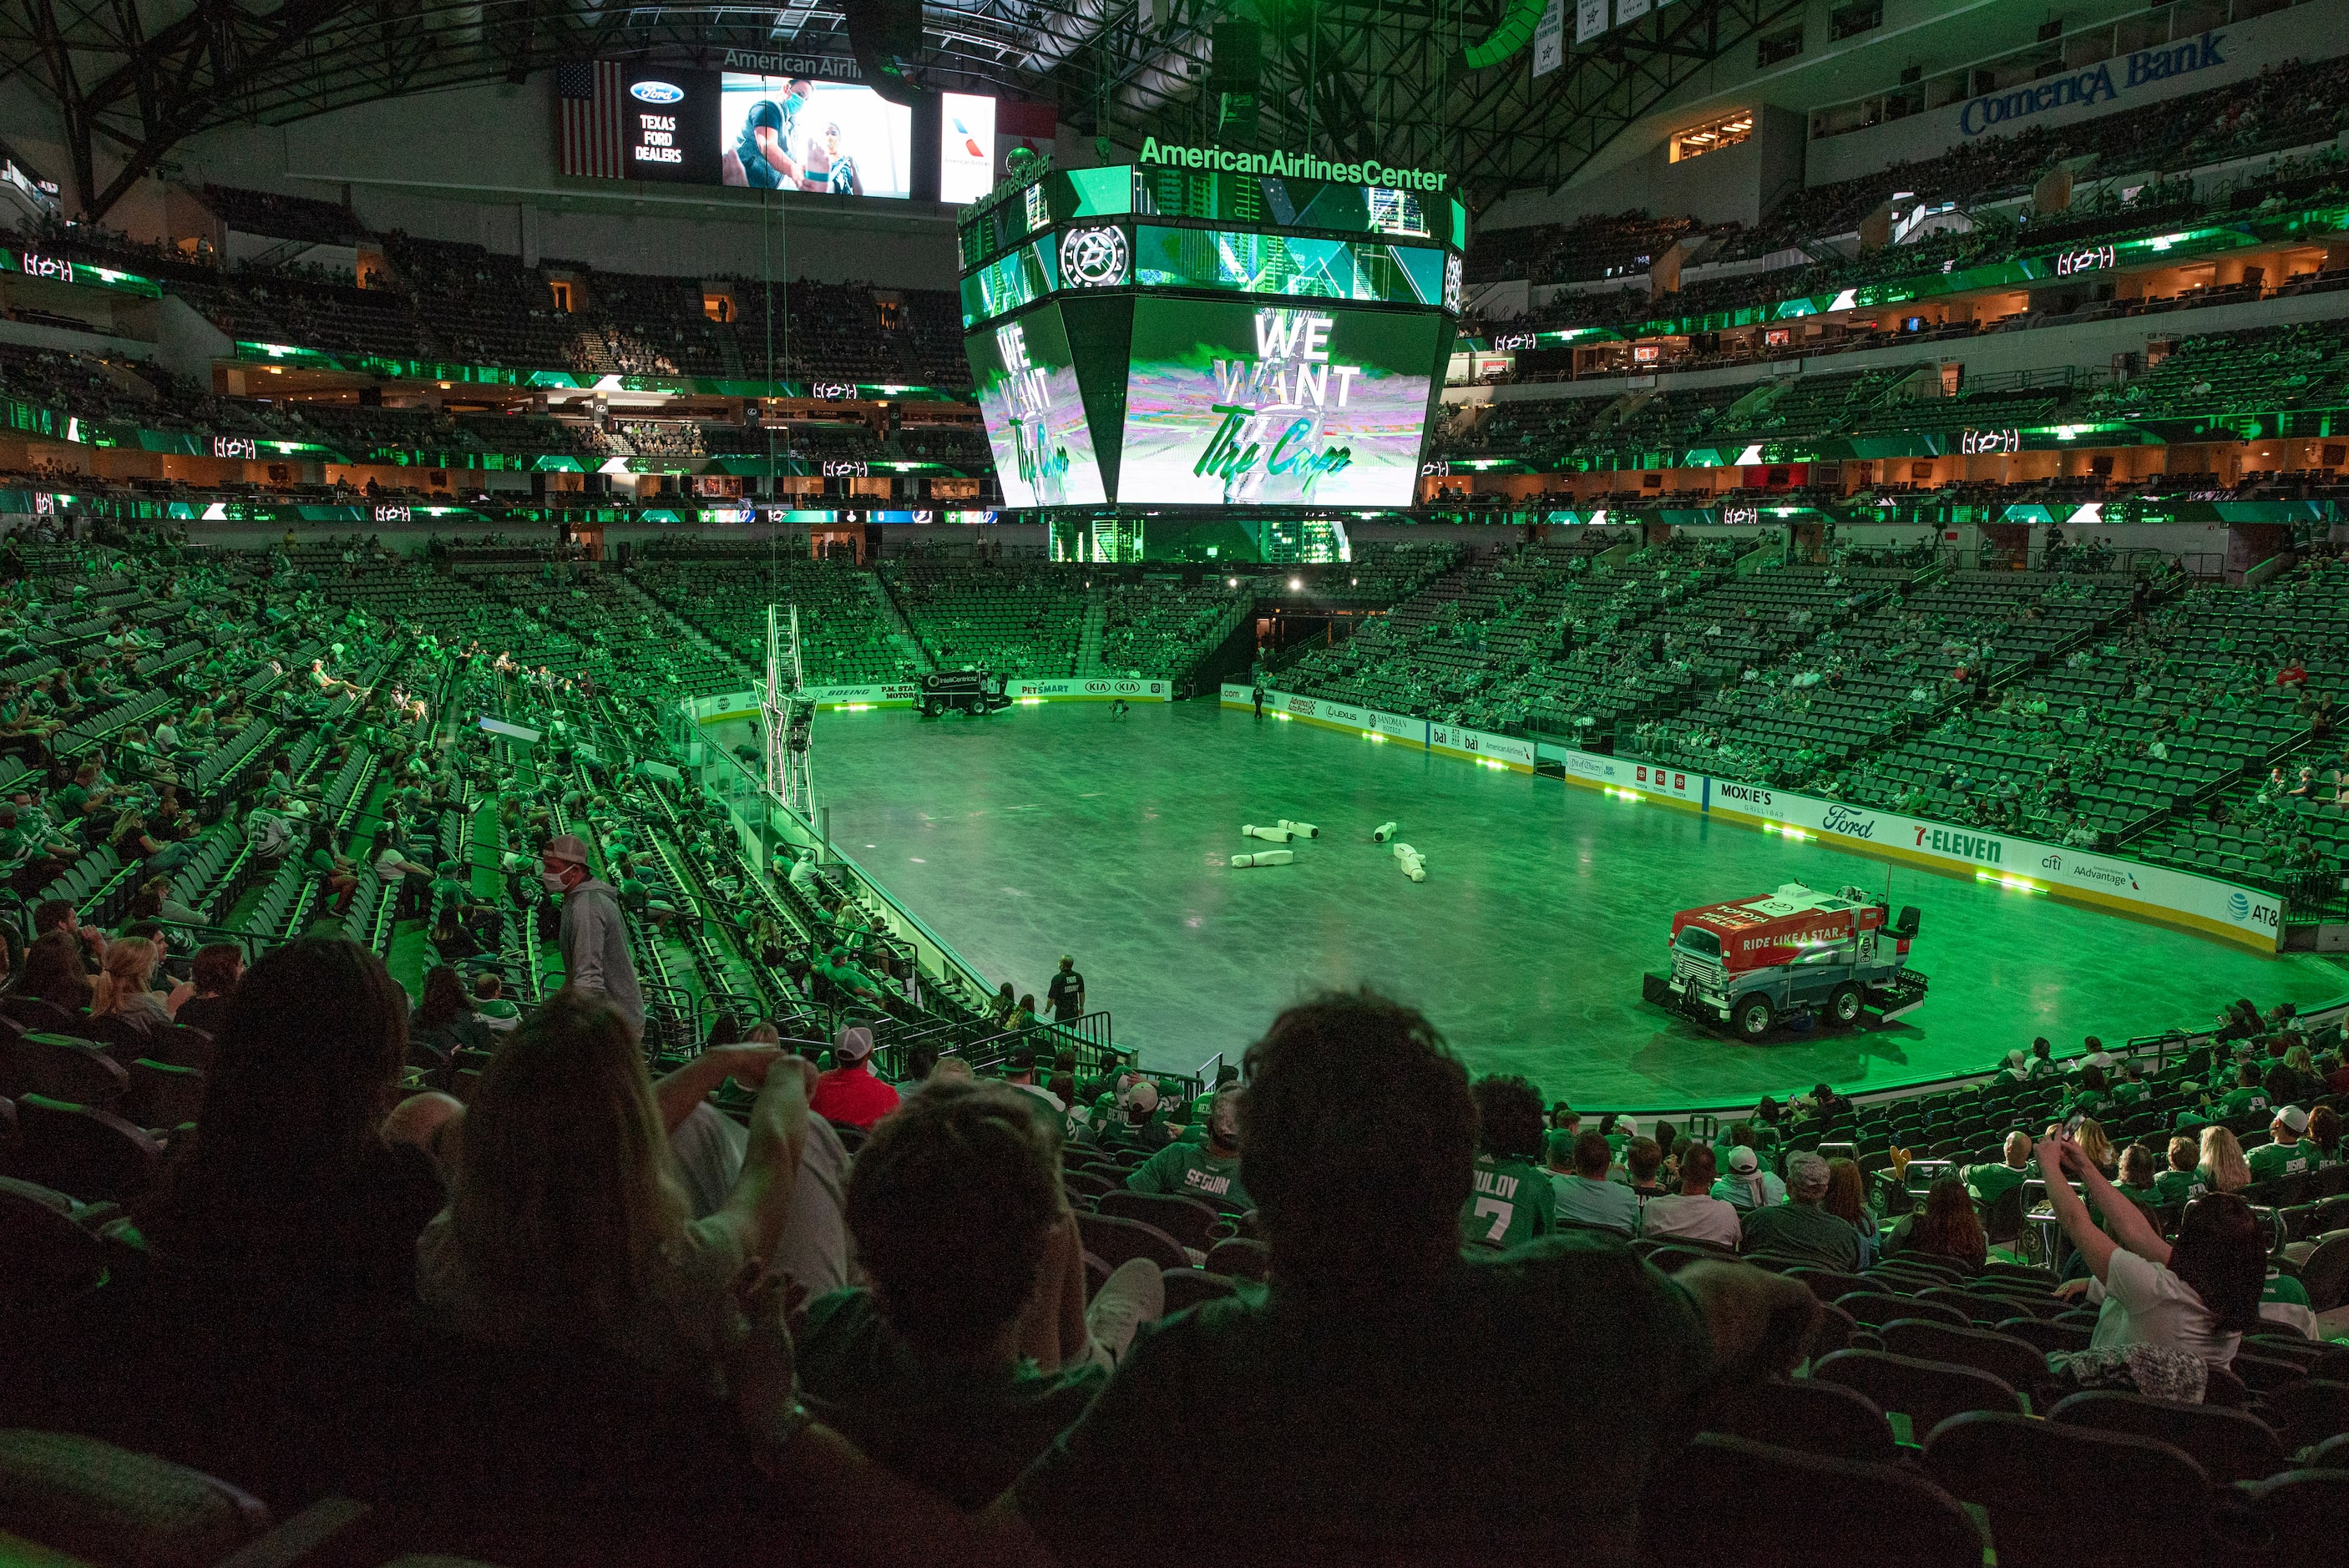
(1501, 1214)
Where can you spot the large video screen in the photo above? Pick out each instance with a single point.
(1242, 404)
(1026, 379)
(966, 147)
(787, 133)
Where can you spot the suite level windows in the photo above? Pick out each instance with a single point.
(1784, 45)
(1860, 16)
(1713, 135)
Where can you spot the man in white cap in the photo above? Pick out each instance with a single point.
(594, 938)
(1746, 1185)
(849, 1094)
(1131, 1128)
(2287, 1155)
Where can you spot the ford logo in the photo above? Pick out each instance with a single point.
(656, 92)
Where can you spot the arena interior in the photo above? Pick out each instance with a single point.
(1352, 782)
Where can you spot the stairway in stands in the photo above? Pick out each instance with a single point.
(687, 632)
(901, 634)
(1089, 637)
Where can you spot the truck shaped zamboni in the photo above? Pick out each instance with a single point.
(1751, 964)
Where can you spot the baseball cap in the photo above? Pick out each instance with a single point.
(852, 1044)
(1141, 1095)
(1744, 1161)
(2291, 1116)
(566, 847)
(1022, 1060)
(2014, 1057)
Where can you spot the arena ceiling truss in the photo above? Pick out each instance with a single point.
(1354, 79)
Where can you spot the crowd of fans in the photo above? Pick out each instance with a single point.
(2258, 371)
(2081, 704)
(436, 301)
(479, 1134)
(1809, 236)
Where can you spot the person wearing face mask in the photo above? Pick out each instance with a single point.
(763, 149)
(1209, 1171)
(593, 938)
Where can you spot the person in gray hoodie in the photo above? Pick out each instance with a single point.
(594, 938)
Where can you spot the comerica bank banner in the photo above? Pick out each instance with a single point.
(2095, 85)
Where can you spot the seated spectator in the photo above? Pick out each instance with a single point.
(1988, 1183)
(1822, 1102)
(566, 1217)
(217, 968)
(54, 973)
(122, 990)
(154, 901)
(1208, 1170)
(2223, 1168)
(2198, 1296)
(1846, 1199)
(282, 1248)
(1587, 1199)
(1801, 1227)
(490, 1005)
(1514, 1200)
(2287, 1152)
(1747, 1186)
(1946, 1229)
(708, 1146)
(1643, 1160)
(2325, 1135)
(450, 939)
(960, 1225)
(1360, 1140)
(2090, 1096)
(1132, 1124)
(443, 1022)
(2136, 1182)
(1694, 1214)
(2096, 1144)
(2177, 1186)
(845, 978)
(849, 1095)
(2291, 1079)
(58, 914)
(2247, 1095)
(32, 852)
(2334, 1071)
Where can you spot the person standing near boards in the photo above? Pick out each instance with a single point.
(1066, 994)
(1258, 693)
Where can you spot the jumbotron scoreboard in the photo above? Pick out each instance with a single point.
(1211, 328)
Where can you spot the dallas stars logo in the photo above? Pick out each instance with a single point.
(1093, 258)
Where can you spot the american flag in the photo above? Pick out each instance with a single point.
(588, 96)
